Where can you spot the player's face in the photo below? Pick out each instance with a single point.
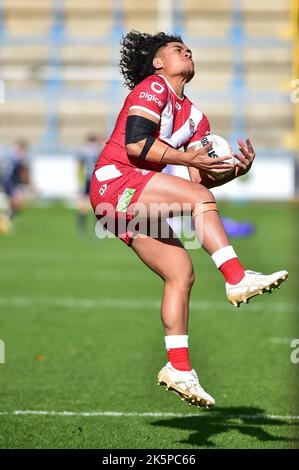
(175, 59)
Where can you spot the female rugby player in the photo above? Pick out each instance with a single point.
(156, 120)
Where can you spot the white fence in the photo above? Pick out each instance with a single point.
(269, 179)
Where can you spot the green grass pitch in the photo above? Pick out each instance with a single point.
(81, 325)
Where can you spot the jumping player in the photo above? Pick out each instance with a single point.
(156, 120)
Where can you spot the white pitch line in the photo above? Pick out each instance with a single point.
(281, 340)
(136, 304)
(157, 414)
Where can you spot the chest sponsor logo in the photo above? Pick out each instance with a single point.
(157, 87)
(149, 97)
(191, 126)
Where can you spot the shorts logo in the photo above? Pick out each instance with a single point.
(149, 97)
(157, 87)
(125, 200)
(103, 189)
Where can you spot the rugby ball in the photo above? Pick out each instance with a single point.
(220, 148)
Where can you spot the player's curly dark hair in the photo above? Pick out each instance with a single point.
(137, 53)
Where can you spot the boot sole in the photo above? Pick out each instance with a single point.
(237, 299)
(191, 399)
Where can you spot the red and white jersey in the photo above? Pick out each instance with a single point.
(181, 124)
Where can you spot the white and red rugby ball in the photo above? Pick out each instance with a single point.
(220, 148)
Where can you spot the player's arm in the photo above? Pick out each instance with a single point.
(141, 143)
(204, 178)
(245, 159)
(207, 179)
(200, 175)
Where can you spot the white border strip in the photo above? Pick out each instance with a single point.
(137, 304)
(154, 414)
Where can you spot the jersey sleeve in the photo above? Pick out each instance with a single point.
(202, 129)
(150, 96)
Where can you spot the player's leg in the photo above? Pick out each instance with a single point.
(241, 285)
(169, 259)
(170, 189)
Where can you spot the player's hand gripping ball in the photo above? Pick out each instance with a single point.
(220, 148)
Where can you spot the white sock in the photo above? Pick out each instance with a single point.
(223, 255)
(176, 341)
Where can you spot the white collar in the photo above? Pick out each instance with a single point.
(169, 86)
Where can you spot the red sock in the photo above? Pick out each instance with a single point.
(232, 270)
(179, 358)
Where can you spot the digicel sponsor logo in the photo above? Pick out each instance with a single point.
(149, 97)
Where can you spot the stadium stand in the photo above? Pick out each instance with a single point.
(265, 19)
(213, 71)
(83, 65)
(63, 57)
(22, 118)
(22, 64)
(208, 19)
(293, 139)
(76, 119)
(141, 16)
(261, 70)
(88, 18)
(27, 18)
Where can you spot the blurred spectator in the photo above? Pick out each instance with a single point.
(15, 176)
(87, 158)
